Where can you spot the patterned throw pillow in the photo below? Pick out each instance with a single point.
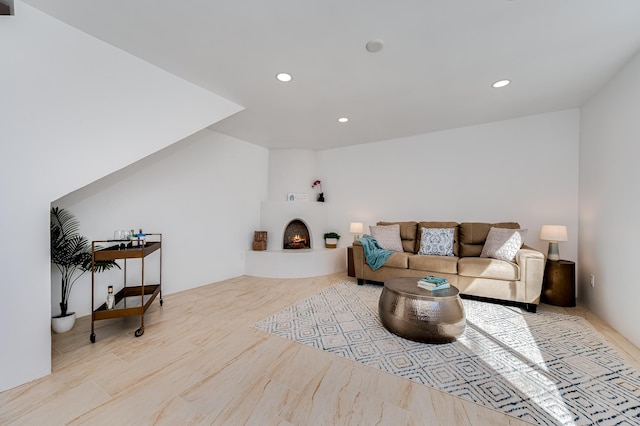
(387, 236)
(436, 241)
(503, 243)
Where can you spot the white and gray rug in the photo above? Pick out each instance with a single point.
(544, 368)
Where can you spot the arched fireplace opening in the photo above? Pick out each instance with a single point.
(296, 235)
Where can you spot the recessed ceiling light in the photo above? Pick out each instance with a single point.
(343, 120)
(501, 83)
(283, 76)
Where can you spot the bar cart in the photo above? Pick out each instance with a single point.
(130, 300)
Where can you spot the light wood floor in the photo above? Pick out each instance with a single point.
(200, 362)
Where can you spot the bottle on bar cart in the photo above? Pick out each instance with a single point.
(110, 298)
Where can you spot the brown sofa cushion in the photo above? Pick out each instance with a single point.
(484, 267)
(472, 236)
(398, 260)
(453, 225)
(408, 231)
(438, 264)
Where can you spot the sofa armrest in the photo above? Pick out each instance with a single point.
(358, 259)
(531, 264)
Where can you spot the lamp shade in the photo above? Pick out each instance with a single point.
(356, 228)
(553, 233)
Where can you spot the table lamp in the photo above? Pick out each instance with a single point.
(356, 228)
(553, 234)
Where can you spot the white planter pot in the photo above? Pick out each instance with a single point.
(63, 324)
(330, 242)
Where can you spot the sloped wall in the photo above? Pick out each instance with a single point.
(72, 109)
(203, 194)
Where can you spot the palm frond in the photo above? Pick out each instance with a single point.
(64, 221)
(70, 251)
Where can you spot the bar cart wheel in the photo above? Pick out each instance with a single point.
(139, 332)
(92, 337)
(161, 301)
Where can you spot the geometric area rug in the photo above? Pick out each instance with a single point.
(544, 368)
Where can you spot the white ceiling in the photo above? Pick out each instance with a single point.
(435, 72)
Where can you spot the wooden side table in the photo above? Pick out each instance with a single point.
(351, 270)
(559, 283)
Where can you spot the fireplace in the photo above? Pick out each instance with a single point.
(279, 262)
(296, 236)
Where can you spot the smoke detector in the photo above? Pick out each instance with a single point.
(374, 46)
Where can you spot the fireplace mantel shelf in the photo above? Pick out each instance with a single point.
(302, 250)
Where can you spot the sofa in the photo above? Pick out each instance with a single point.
(475, 273)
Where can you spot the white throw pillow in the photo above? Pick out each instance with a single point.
(436, 241)
(387, 236)
(503, 243)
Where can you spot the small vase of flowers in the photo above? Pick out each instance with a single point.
(317, 184)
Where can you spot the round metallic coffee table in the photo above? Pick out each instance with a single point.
(421, 315)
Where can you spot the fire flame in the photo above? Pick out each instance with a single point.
(298, 239)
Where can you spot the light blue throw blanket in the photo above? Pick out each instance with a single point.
(375, 255)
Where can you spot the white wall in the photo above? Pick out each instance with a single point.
(72, 109)
(523, 170)
(79, 96)
(203, 194)
(609, 202)
(292, 171)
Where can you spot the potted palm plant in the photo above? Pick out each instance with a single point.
(71, 253)
(331, 239)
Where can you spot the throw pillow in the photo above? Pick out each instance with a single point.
(436, 241)
(503, 243)
(387, 236)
